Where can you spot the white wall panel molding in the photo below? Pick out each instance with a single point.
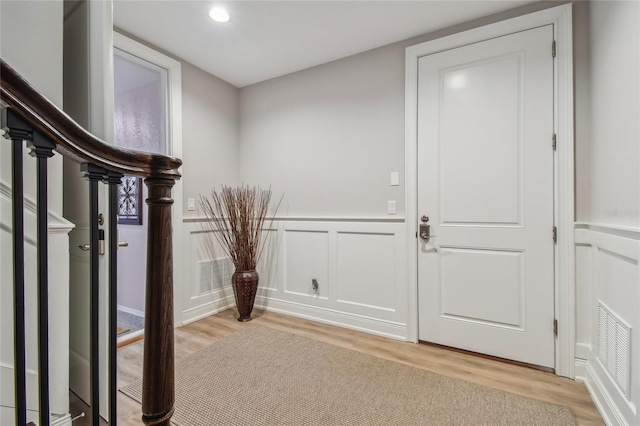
(80, 368)
(131, 311)
(581, 370)
(603, 400)
(608, 280)
(338, 318)
(195, 219)
(222, 303)
(618, 230)
(58, 260)
(195, 303)
(360, 268)
(583, 351)
(56, 224)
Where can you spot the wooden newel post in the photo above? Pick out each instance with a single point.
(158, 393)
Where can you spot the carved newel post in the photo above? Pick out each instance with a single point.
(158, 370)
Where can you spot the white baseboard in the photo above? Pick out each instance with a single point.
(194, 314)
(61, 419)
(79, 367)
(580, 370)
(7, 383)
(131, 311)
(369, 325)
(607, 259)
(605, 404)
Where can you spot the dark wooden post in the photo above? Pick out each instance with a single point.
(158, 370)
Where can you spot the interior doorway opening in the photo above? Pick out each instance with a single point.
(140, 123)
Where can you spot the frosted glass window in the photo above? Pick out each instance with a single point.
(140, 104)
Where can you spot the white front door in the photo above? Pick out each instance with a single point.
(485, 180)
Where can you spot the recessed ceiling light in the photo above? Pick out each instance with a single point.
(218, 14)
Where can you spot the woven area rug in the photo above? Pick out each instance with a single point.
(263, 377)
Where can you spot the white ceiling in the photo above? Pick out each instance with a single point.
(267, 39)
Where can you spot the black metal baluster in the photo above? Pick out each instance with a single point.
(17, 136)
(42, 149)
(113, 180)
(94, 174)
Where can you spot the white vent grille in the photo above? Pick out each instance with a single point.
(214, 274)
(614, 338)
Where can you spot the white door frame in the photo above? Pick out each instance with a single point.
(174, 76)
(560, 18)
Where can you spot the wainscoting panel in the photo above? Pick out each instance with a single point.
(366, 271)
(58, 230)
(608, 296)
(359, 266)
(202, 270)
(584, 296)
(306, 259)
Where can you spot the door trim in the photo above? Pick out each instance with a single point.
(560, 17)
(174, 76)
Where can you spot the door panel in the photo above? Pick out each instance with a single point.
(467, 117)
(470, 281)
(485, 179)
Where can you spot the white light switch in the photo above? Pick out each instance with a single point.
(391, 207)
(395, 179)
(191, 204)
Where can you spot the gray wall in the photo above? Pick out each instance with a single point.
(613, 129)
(209, 133)
(31, 42)
(330, 135)
(209, 130)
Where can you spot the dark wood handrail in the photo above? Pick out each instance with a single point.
(32, 113)
(72, 140)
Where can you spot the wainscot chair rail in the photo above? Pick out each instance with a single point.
(28, 116)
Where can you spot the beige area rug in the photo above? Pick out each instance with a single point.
(264, 377)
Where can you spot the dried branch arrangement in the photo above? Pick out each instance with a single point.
(236, 217)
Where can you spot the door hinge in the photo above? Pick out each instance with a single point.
(555, 327)
(553, 49)
(555, 234)
(554, 141)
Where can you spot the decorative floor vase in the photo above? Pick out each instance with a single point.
(245, 287)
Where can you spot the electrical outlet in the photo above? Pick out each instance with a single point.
(314, 284)
(191, 204)
(391, 206)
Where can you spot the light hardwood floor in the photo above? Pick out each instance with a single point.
(507, 377)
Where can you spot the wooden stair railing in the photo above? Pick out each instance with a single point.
(28, 116)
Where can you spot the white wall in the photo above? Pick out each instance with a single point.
(615, 107)
(608, 235)
(31, 42)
